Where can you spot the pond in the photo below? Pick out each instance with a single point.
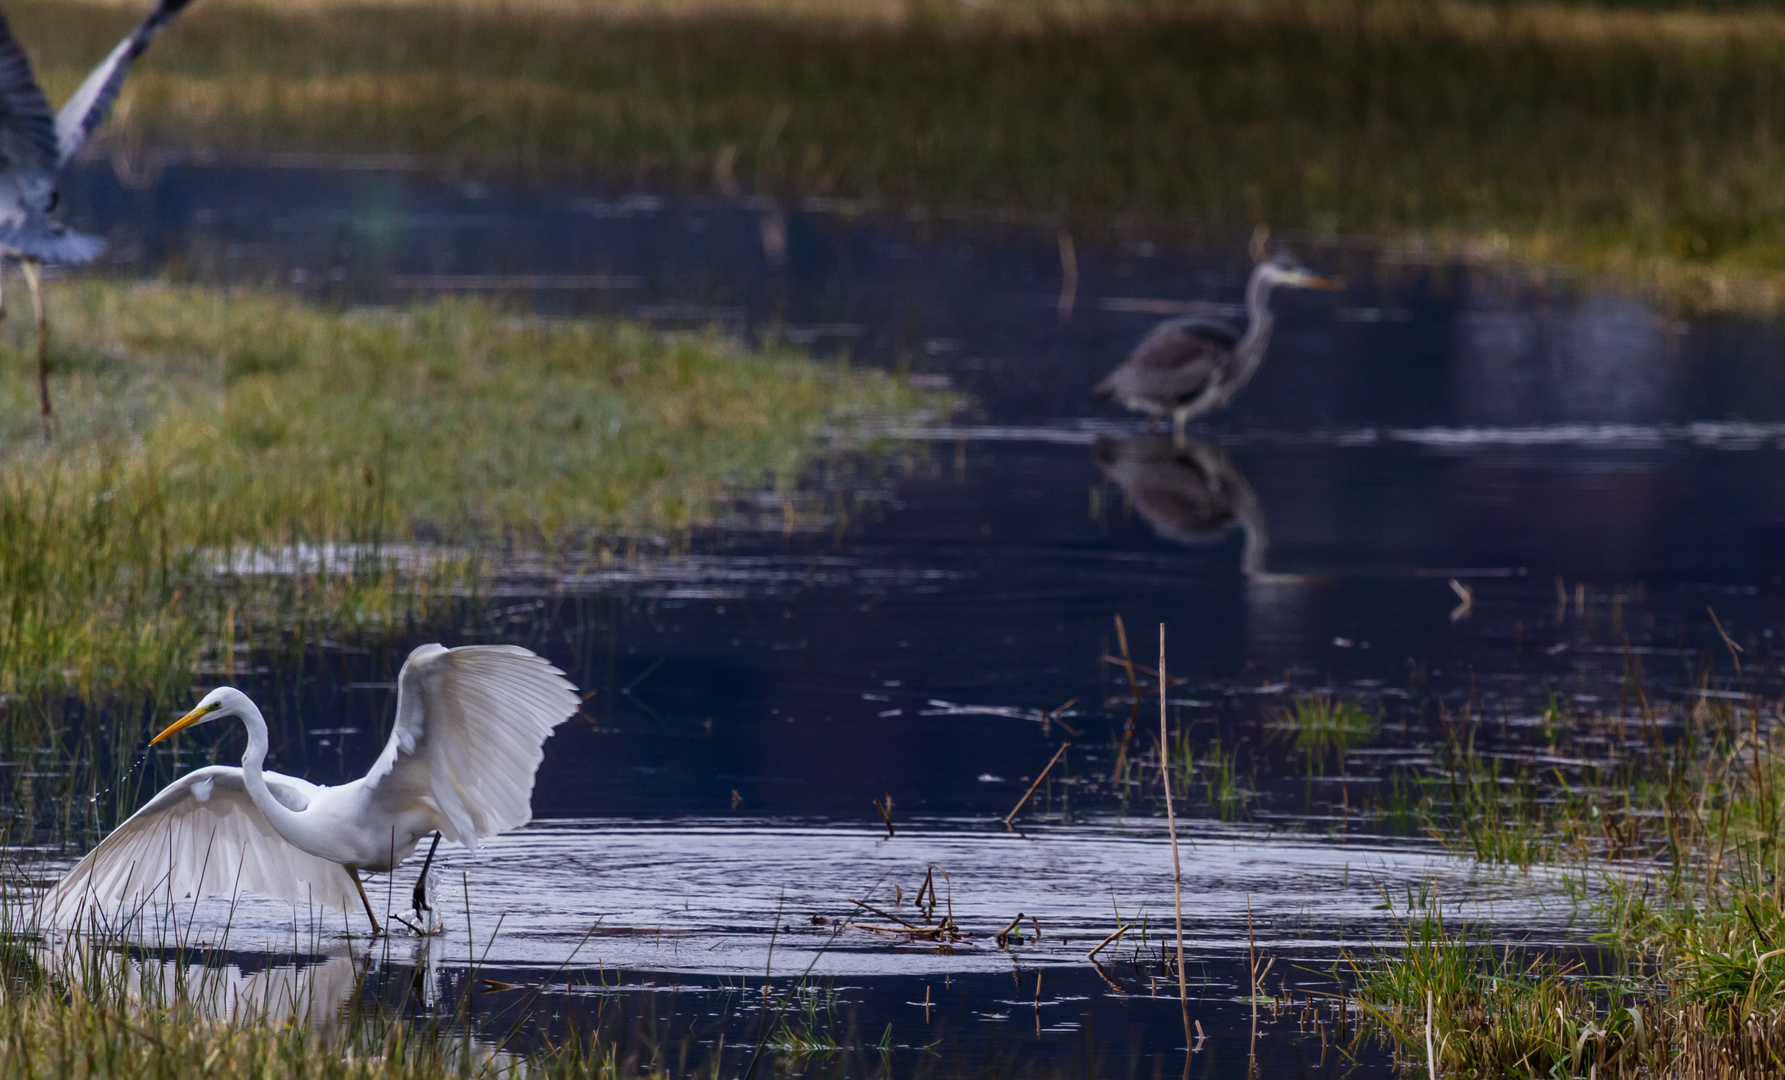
(1466, 492)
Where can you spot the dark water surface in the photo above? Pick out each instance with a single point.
(1597, 476)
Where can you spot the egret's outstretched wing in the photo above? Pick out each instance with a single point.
(201, 836)
(87, 109)
(468, 735)
(27, 133)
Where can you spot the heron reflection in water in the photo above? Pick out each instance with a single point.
(1189, 491)
(1192, 365)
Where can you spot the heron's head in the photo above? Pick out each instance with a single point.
(1282, 269)
(223, 701)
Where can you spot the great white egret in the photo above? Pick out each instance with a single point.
(467, 739)
(35, 147)
(1192, 365)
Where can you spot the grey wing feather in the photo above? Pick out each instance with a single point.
(48, 240)
(1173, 362)
(88, 108)
(201, 836)
(27, 132)
(469, 734)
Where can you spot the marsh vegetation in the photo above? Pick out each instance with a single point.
(1636, 143)
(237, 470)
(237, 477)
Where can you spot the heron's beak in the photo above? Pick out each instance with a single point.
(195, 716)
(1329, 284)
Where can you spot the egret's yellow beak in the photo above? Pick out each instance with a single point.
(1329, 284)
(187, 721)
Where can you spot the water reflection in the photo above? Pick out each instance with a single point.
(1189, 491)
(313, 991)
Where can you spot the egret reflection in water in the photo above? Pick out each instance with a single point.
(314, 991)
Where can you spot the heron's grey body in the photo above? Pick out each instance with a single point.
(1192, 365)
(35, 145)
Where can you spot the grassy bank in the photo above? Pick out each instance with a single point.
(1637, 144)
(204, 437)
(1673, 839)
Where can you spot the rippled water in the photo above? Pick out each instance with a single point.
(710, 911)
(1593, 475)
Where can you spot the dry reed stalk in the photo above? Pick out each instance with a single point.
(928, 886)
(1134, 711)
(1053, 717)
(913, 931)
(1120, 930)
(1003, 937)
(882, 914)
(1141, 669)
(1171, 825)
(1020, 803)
(1068, 277)
(1431, 1057)
(885, 808)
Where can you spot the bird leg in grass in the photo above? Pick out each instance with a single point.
(421, 883)
(34, 280)
(354, 874)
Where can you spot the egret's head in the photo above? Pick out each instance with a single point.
(223, 701)
(1282, 269)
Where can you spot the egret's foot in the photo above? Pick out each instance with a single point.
(421, 884)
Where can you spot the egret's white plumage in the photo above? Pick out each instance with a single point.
(470, 728)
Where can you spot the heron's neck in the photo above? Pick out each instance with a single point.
(1251, 346)
(283, 819)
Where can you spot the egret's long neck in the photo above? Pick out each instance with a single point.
(1251, 347)
(283, 819)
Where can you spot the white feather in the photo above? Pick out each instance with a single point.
(201, 836)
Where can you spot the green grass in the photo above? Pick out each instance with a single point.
(1676, 849)
(1639, 144)
(199, 429)
(1486, 1011)
(1321, 728)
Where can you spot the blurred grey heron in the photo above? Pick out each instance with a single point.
(1192, 365)
(35, 147)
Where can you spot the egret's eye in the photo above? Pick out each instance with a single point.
(55, 201)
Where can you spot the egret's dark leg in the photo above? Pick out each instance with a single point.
(1179, 419)
(421, 883)
(376, 929)
(34, 280)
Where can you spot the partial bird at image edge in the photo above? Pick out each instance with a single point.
(468, 737)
